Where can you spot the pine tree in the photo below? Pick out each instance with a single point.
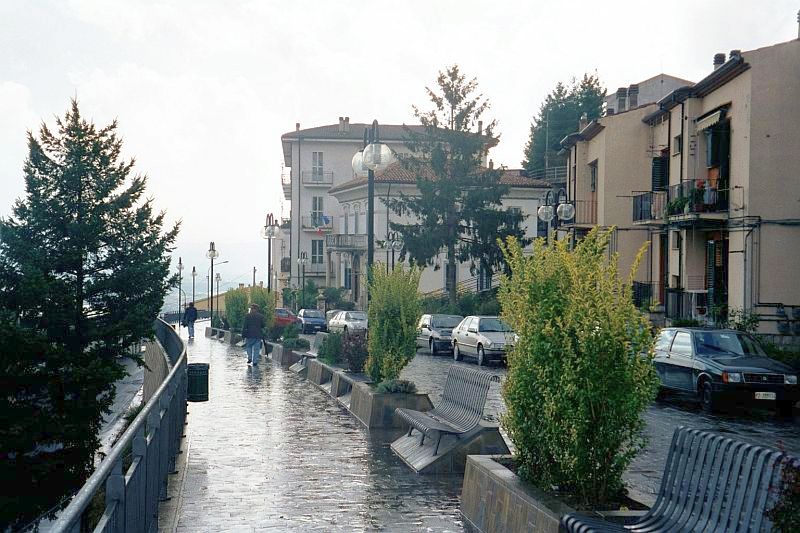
(84, 269)
(559, 116)
(458, 208)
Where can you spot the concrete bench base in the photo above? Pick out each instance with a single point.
(485, 439)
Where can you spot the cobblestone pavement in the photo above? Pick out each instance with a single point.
(269, 452)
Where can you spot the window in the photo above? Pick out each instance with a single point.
(682, 344)
(677, 144)
(448, 268)
(355, 221)
(317, 210)
(660, 173)
(664, 340)
(676, 239)
(484, 278)
(316, 166)
(348, 278)
(346, 222)
(316, 251)
(593, 176)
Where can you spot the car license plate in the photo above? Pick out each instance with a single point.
(765, 396)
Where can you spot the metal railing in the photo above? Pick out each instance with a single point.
(350, 242)
(317, 177)
(646, 294)
(681, 304)
(317, 222)
(696, 197)
(649, 206)
(553, 175)
(132, 494)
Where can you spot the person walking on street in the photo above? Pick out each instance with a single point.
(253, 332)
(189, 317)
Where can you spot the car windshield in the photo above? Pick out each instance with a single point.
(489, 325)
(446, 321)
(726, 344)
(356, 316)
(312, 313)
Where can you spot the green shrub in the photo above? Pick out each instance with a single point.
(217, 322)
(685, 323)
(581, 374)
(291, 332)
(275, 333)
(396, 386)
(296, 343)
(266, 303)
(785, 514)
(354, 352)
(236, 307)
(331, 349)
(788, 355)
(393, 315)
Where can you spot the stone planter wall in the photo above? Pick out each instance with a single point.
(319, 373)
(495, 500)
(284, 357)
(376, 410)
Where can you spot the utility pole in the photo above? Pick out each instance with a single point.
(254, 276)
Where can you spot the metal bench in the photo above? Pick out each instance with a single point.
(460, 409)
(710, 483)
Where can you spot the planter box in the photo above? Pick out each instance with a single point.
(342, 386)
(231, 338)
(319, 373)
(211, 332)
(495, 500)
(283, 356)
(376, 410)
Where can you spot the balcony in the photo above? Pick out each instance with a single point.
(649, 207)
(314, 269)
(318, 223)
(286, 183)
(647, 295)
(696, 199)
(316, 177)
(585, 214)
(686, 305)
(346, 243)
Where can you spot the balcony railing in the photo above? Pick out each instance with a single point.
(317, 177)
(317, 222)
(346, 242)
(314, 268)
(552, 175)
(647, 294)
(694, 197)
(683, 305)
(585, 212)
(649, 206)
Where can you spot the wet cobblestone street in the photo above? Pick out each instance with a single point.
(270, 452)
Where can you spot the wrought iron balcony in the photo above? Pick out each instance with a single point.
(649, 207)
(317, 177)
(317, 222)
(696, 197)
(343, 242)
(647, 294)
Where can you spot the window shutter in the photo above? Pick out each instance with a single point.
(660, 174)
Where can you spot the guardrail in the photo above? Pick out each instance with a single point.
(133, 492)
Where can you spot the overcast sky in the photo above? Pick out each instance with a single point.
(204, 89)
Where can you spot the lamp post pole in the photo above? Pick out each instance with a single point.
(396, 245)
(212, 254)
(194, 276)
(302, 260)
(218, 279)
(269, 232)
(180, 279)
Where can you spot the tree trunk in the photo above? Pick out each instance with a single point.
(450, 274)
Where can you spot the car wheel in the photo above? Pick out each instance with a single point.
(785, 408)
(481, 356)
(707, 399)
(432, 347)
(344, 331)
(457, 352)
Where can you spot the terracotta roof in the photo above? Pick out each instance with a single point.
(396, 173)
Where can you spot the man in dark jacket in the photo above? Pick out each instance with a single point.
(190, 316)
(252, 332)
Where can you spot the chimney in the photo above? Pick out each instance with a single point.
(296, 126)
(341, 124)
(622, 94)
(719, 60)
(347, 124)
(735, 54)
(480, 127)
(633, 96)
(584, 121)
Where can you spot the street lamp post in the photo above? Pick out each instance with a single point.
(375, 157)
(302, 260)
(212, 254)
(396, 244)
(218, 279)
(269, 232)
(555, 207)
(180, 279)
(194, 276)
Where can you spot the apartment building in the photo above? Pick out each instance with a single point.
(718, 192)
(328, 223)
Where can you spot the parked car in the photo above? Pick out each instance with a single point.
(348, 322)
(312, 320)
(330, 314)
(284, 317)
(485, 338)
(723, 365)
(434, 332)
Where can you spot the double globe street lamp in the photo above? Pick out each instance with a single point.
(374, 157)
(269, 232)
(180, 280)
(212, 254)
(555, 206)
(302, 260)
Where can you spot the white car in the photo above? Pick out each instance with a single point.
(348, 322)
(485, 338)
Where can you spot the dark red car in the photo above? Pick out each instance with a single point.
(284, 317)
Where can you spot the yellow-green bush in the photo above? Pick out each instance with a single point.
(266, 303)
(394, 310)
(235, 308)
(581, 374)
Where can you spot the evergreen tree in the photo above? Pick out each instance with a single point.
(84, 269)
(458, 208)
(559, 116)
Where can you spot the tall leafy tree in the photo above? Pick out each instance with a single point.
(459, 205)
(84, 269)
(559, 115)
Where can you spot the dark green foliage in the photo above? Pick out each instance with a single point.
(396, 386)
(458, 208)
(483, 303)
(291, 331)
(354, 352)
(785, 514)
(236, 308)
(334, 299)
(785, 354)
(296, 344)
(83, 273)
(685, 323)
(300, 299)
(217, 322)
(275, 333)
(563, 109)
(331, 349)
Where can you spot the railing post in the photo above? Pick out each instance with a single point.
(115, 493)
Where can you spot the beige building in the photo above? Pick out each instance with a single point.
(717, 194)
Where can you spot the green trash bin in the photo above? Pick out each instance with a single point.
(197, 385)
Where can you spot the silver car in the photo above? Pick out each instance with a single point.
(433, 332)
(348, 322)
(485, 338)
